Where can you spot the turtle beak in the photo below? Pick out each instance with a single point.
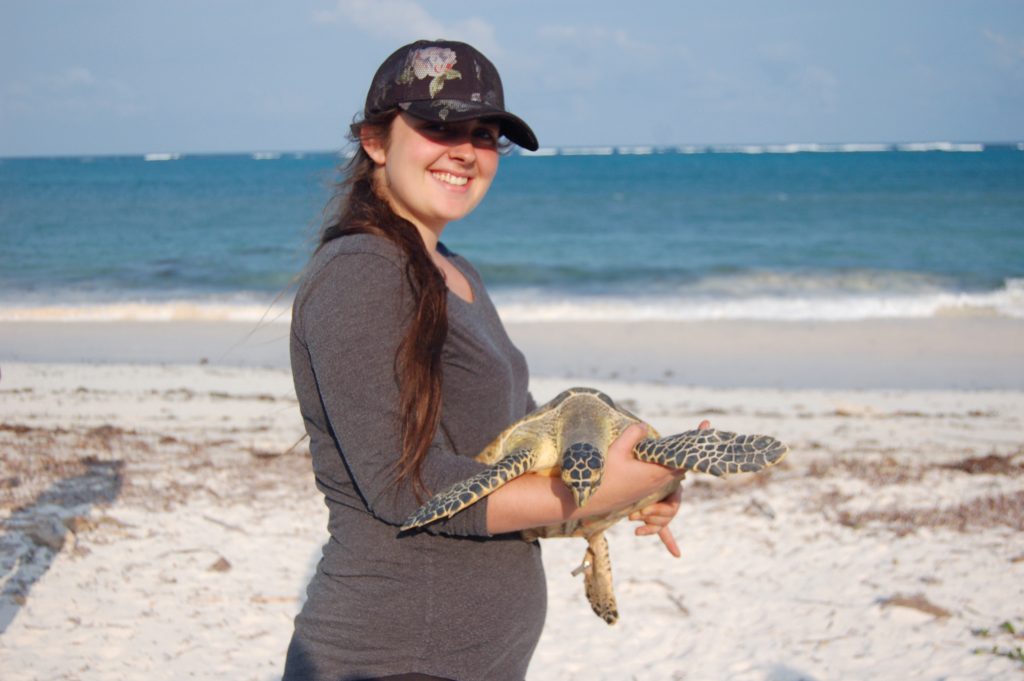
(581, 493)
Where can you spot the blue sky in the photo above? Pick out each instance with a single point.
(132, 76)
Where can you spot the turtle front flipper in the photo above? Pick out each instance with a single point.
(597, 578)
(712, 451)
(469, 491)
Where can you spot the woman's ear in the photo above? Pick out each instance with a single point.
(372, 141)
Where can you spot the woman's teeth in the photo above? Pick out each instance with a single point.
(451, 179)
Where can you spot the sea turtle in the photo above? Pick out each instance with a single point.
(568, 436)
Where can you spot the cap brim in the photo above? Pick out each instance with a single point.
(454, 110)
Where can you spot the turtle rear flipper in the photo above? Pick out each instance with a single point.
(597, 578)
(469, 491)
(712, 451)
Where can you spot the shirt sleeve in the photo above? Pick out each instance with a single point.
(353, 318)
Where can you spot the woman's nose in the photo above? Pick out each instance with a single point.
(462, 150)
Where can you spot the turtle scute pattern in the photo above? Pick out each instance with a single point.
(569, 436)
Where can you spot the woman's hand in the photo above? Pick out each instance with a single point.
(657, 516)
(655, 519)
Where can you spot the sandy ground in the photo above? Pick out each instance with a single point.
(159, 521)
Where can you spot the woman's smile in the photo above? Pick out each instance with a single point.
(450, 179)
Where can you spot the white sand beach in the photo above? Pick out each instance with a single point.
(158, 518)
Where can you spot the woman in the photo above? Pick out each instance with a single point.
(403, 373)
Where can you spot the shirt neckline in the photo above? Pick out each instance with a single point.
(469, 280)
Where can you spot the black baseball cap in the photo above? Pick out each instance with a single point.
(445, 81)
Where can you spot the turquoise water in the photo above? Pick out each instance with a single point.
(670, 234)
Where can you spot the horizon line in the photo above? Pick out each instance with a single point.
(585, 150)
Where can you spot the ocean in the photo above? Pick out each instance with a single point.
(790, 232)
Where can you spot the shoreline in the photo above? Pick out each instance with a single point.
(961, 353)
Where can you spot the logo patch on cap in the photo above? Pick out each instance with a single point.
(434, 62)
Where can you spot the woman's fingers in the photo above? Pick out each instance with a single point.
(656, 519)
(669, 541)
(665, 508)
(664, 533)
(629, 437)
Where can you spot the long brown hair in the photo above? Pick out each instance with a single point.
(358, 208)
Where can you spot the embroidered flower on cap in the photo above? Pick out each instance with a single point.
(435, 62)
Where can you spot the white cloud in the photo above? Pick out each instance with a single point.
(402, 21)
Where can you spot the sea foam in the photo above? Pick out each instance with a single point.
(142, 311)
(539, 305)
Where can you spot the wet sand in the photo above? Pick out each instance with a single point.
(950, 352)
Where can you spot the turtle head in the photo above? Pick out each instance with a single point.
(582, 470)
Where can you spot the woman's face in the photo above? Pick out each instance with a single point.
(433, 173)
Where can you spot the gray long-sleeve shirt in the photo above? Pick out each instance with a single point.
(451, 601)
